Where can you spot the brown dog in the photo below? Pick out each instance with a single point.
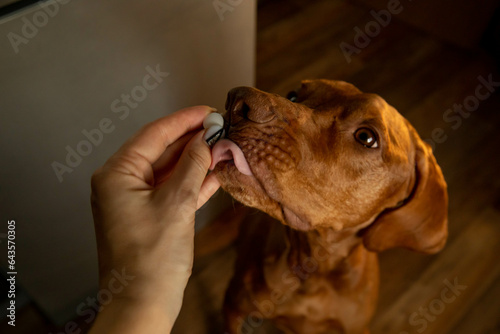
(347, 176)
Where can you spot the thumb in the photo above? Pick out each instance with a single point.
(189, 173)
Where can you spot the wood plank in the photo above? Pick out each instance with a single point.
(271, 11)
(458, 265)
(285, 33)
(322, 42)
(398, 268)
(461, 22)
(487, 309)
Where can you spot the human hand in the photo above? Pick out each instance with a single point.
(144, 201)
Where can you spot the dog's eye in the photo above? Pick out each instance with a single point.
(366, 137)
(292, 96)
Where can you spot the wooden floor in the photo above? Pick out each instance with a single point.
(422, 77)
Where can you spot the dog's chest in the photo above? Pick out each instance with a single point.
(301, 292)
(314, 299)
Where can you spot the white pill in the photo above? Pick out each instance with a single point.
(213, 119)
(211, 131)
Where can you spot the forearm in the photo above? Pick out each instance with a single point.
(136, 316)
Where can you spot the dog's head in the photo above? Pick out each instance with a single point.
(330, 156)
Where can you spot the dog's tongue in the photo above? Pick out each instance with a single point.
(225, 150)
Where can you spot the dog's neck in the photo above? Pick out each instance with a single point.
(291, 254)
(321, 250)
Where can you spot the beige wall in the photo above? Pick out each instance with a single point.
(67, 76)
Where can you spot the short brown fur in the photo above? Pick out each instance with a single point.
(339, 202)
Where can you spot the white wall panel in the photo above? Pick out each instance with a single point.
(61, 78)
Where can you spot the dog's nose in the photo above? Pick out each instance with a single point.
(250, 103)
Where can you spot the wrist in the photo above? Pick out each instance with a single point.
(137, 315)
(134, 294)
(145, 285)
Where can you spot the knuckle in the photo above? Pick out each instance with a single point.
(160, 130)
(101, 180)
(199, 159)
(97, 179)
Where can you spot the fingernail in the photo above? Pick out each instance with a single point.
(212, 138)
(214, 123)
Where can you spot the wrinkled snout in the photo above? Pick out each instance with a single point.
(251, 104)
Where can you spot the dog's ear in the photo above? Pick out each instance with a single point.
(420, 224)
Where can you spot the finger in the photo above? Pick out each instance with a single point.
(164, 166)
(156, 136)
(185, 182)
(208, 188)
(141, 151)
